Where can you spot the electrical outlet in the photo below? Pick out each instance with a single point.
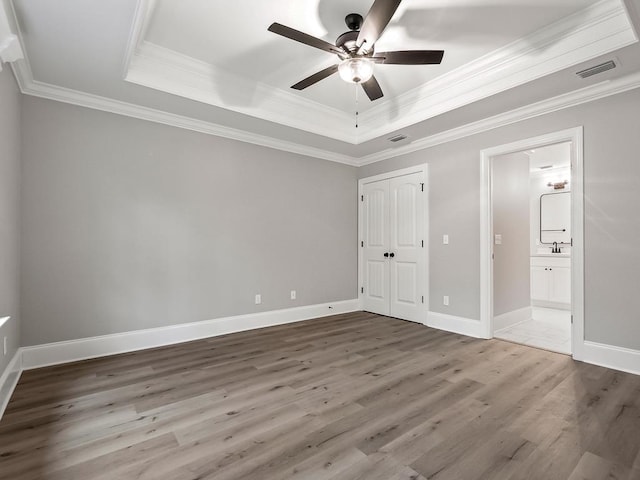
(445, 239)
(258, 299)
(445, 300)
(293, 294)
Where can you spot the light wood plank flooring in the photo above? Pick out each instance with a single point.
(356, 396)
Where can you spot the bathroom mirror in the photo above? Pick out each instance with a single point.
(555, 218)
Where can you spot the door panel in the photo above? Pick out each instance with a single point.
(405, 282)
(406, 243)
(560, 288)
(375, 244)
(376, 280)
(377, 212)
(539, 283)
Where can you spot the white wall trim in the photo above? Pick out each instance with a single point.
(511, 318)
(455, 324)
(10, 48)
(575, 136)
(544, 107)
(92, 347)
(9, 380)
(548, 304)
(167, 71)
(29, 86)
(104, 104)
(393, 174)
(609, 356)
(596, 30)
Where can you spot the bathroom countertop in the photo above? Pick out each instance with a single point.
(559, 255)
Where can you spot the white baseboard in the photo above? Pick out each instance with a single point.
(452, 323)
(511, 318)
(548, 304)
(618, 358)
(92, 347)
(9, 380)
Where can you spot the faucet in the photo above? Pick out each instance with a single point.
(555, 248)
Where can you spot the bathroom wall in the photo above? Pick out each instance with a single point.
(510, 185)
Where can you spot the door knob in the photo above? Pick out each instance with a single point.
(392, 254)
(386, 254)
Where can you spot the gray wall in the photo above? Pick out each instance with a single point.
(129, 225)
(612, 223)
(511, 265)
(9, 224)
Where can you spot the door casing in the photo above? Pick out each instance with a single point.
(425, 256)
(575, 136)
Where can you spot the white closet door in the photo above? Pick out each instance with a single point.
(407, 268)
(376, 240)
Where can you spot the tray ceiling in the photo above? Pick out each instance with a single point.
(214, 66)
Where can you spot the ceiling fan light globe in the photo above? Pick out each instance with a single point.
(356, 70)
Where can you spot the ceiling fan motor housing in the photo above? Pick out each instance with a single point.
(348, 39)
(353, 21)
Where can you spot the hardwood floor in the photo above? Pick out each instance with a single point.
(355, 396)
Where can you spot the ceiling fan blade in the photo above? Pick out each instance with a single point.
(411, 57)
(315, 78)
(372, 89)
(305, 38)
(375, 22)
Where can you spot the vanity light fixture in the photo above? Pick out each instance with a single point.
(558, 185)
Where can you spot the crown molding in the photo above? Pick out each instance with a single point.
(10, 48)
(28, 86)
(596, 30)
(165, 70)
(560, 102)
(162, 69)
(74, 97)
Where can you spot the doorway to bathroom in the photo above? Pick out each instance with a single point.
(532, 242)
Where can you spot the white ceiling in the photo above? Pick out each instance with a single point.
(551, 156)
(214, 67)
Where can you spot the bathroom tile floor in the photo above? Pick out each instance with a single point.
(549, 329)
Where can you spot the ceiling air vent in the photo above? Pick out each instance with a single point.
(603, 67)
(397, 138)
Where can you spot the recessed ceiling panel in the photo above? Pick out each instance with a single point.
(223, 54)
(213, 66)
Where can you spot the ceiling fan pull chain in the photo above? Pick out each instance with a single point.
(356, 85)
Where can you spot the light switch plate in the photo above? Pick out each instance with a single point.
(498, 239)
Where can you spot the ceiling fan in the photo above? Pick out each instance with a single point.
(356, 49)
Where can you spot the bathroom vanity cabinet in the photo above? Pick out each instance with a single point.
(551, 281)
